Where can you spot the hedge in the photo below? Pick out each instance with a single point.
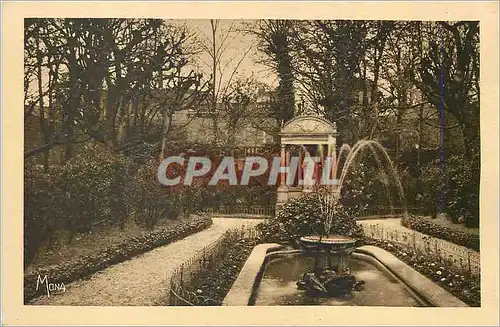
(423, 225)
(67, 272)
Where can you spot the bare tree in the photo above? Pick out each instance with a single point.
(240, 108)
(222, 70)
(100, 75)
(185, 92)
(328, 61)
(449, 76)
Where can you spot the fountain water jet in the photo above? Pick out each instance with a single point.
(336, 279)
(375, 148)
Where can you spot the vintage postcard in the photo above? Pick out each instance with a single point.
(283, 163)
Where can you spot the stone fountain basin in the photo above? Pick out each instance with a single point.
(253, 278)
(332, 243)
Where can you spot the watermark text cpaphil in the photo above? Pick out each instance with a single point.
(304, 171)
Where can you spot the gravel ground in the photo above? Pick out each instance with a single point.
(395, 224)
(392, 222)
(444, 221)
(142, 280)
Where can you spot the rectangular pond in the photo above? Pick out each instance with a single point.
(281, 273)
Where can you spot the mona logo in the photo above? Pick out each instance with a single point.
(55, 288)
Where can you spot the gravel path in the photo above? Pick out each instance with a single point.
(142, 280)
(391, 222)
(395, 224)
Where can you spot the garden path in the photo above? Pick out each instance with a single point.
(391, 222)
(395, 224)
(143, 280)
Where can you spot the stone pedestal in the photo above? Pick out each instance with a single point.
(281, 197)
(282, 194)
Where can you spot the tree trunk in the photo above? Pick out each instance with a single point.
(420, 133)
(167, 120)
(74, 103)
(471, 136)
(41, 116)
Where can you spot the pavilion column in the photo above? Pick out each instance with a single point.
(287, 164)
(282, 192)
(300, 169)
(332, 153)
(283, 164)
(321, 164)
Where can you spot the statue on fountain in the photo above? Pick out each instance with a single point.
(329, 279)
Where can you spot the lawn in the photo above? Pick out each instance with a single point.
(100, 238)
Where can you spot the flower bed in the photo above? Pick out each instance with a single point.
(215, 283)
(464, 286)
(84, 266)
(425, 226)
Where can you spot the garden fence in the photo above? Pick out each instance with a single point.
(460, 257)
(254, 211)
(387, 212)
(188, 273)
(269, 211)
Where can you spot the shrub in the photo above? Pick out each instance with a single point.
(93, 183)
(149, 199)
(462, 190)
(215, 282)
(257, 192)
(86, 191)
(303, 216)
(425, 226)
(459, 183)
(364, 184)
(42, 209)
(431, 189)
(411, 188)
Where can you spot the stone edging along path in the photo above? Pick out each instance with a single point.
(248, 280)
(68, 272)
